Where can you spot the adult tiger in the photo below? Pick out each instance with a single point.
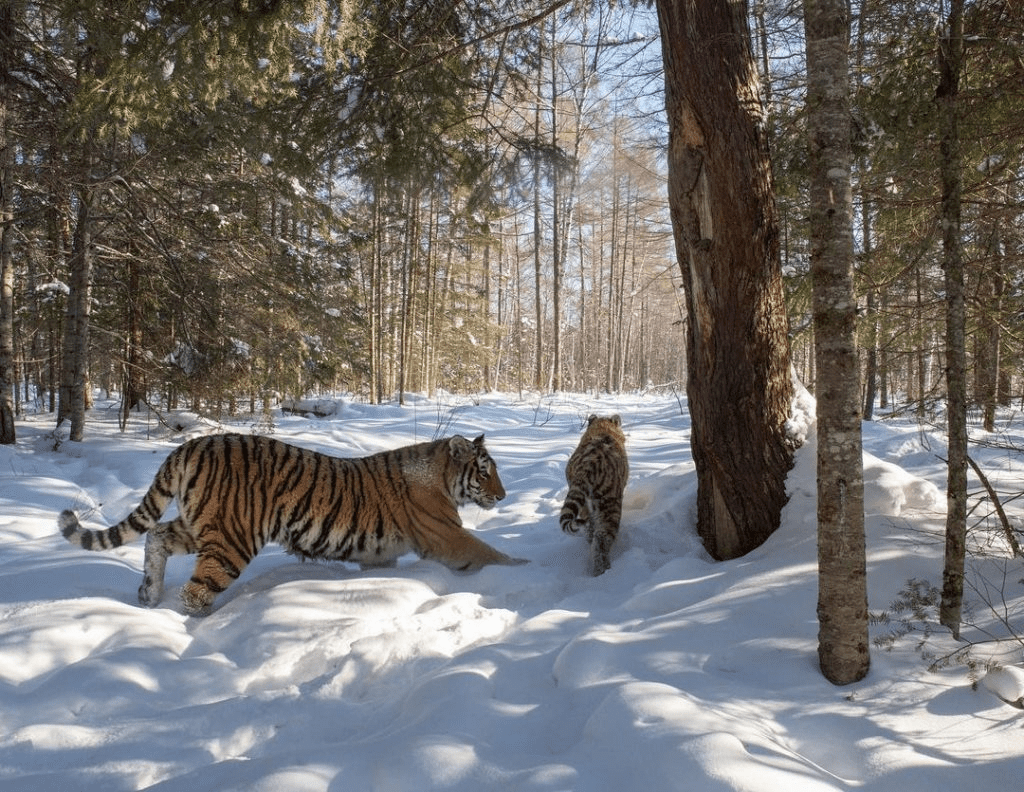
(237, 492)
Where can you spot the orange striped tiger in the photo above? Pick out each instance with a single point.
(597, 472)
(236, 493)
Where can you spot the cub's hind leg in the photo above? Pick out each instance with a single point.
(164, 540)
(602, 535)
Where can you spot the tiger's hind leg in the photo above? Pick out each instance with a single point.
(602, 536)
(164, 540)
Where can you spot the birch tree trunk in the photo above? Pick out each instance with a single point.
(947, 97)
(843, 651)
(723, 216)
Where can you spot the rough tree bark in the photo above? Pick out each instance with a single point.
(947, 98)
(843, 651)
(723, 217)
(7, 379)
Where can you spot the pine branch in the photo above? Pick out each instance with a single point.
(504, 30)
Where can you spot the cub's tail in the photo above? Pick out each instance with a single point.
(575, 511)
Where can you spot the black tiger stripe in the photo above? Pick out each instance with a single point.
(204, 467)
(236, 539)
(305, 500)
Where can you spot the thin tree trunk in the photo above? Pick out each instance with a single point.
(134, 393)
(75, 364)
(947, 97)
(490, 321)
(538, 369)
(372, 288)
(924, 345)
(410, 264)
(431, 330)
(843, 651)
(613, 249)
(556, 229)
(989, 336)
(871, 365)
(883, 361)
(871, 316)
(726, 234)
(871, 309)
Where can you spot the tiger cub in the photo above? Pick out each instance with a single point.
(597, 472)
(236, 493)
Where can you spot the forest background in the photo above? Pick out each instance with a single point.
(219, 204)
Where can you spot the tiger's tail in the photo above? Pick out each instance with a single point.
(145, 516)
(575, 511)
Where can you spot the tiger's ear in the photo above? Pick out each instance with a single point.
(479, 441)
(460, 448)
(591, 419)
(617, 420)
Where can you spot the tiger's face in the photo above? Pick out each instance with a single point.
(478, 475)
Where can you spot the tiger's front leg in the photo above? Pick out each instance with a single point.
(458, 549)
(215, 570)
(209, 578)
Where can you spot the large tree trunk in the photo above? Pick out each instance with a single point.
(843, 651)
(947, 97)
(723, 217)
(7, 384)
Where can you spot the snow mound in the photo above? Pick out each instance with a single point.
(1007, 684)
(889, 490)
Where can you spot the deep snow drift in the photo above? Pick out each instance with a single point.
(668, 672)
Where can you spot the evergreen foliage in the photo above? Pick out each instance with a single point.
(283, 196)
(303, 194)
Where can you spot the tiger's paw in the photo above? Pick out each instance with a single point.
(150, 592)
(599, 564)
(196, 599)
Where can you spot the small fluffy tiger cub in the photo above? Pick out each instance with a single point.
(236, 493)
(597, 472)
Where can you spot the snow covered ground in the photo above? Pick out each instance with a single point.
(670, 672)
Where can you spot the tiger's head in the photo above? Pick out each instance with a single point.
(477, 475)
(604, 426)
